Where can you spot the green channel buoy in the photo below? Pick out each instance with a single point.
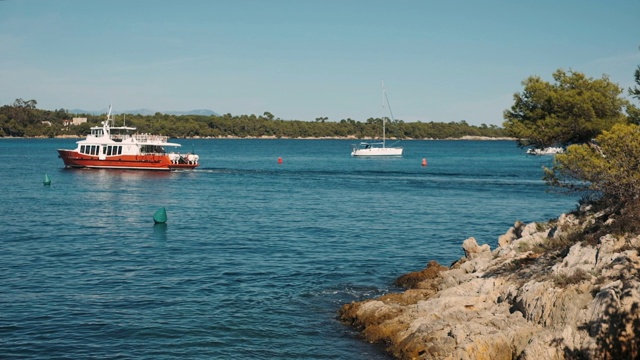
(160, 217)
(47, 181)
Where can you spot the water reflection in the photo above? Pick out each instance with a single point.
(122, 174)
(160, 232)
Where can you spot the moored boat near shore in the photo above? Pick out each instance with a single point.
(121, 147)
(546, 151)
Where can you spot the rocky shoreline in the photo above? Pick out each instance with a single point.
(543, 293)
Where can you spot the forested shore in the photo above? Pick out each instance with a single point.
(23, 119)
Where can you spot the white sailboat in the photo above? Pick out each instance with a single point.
(378, 148)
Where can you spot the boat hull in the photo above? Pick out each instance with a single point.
(162, 162)
(546, 151)
(374, 151)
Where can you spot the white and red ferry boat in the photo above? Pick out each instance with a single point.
(121, 147)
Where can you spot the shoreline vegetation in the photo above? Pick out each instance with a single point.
(23, 119)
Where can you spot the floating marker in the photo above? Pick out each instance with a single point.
(46, 181)
(160, 217)
(424, 162)
(279, 160)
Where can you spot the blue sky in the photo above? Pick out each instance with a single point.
(441, 61)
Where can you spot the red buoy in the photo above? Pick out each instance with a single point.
(279, 160)
(424, 162)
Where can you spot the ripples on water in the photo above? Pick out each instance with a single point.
(256, 257)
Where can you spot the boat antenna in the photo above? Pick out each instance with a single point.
(109, 115)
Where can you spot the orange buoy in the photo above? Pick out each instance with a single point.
(424, 162)
(279, 160)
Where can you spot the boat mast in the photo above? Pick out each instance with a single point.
(384, 95)
(385, 99)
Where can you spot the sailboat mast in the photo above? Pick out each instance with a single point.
(384, 95)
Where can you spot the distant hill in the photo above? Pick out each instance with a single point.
(204, 112)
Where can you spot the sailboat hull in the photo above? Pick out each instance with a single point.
(377, 151)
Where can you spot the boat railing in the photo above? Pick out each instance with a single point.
(148, 138)
(120, 137)
(141, 138)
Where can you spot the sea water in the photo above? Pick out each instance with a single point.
(257, 255)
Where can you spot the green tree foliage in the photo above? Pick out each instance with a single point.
(23, 119)
(633, 111)
(608, 169)
(635, 92)
(573, 110)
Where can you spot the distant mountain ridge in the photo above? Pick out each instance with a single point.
(205, 112)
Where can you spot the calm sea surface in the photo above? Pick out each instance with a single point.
(256, 257)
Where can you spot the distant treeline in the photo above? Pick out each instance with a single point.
(23, 119)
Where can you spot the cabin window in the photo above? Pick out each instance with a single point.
(109, 150)
(82, 149)
(119, 150)
(104, 150)
(92, 150)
